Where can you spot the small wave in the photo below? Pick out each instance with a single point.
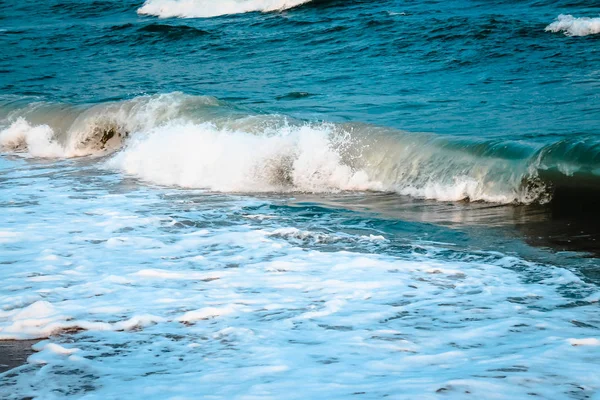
(210, 8)
(572, 26)
(175, 31)
(295, 96)
(59, 130)
(163, 32)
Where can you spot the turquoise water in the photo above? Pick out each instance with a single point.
(269, 199)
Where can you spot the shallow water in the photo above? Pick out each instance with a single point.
(346, 198)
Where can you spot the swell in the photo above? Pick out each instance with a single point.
(201, 142)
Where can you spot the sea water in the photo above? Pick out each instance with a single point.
(300, 199)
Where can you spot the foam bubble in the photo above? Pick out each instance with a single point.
(209, 8)
(572, 26)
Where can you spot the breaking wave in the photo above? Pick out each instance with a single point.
(572, 26)
(210, 8)
(200, 142)
(59, 130)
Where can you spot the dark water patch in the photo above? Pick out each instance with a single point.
(172, 32)
(12, 32)
(325, 4)
(334, 29)
(14, 353)
(535, 232)
(295, 96)
(154, 33)
(91, 9)
(121, 27)
(377, 23)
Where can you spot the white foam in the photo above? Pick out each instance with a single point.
(572, 26)
(182, 275)
(9, 236)
(36, 140)
(585, 342)
(462, 187)
(54, 348)
(307, 158)
(205, 313)
(201, 156)
(285, 308)
(211, 8)
(96, 130)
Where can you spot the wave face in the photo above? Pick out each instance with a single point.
(210, 8)
(572, 26)
(201, 142)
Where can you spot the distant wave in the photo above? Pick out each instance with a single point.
(211, 8)
(201, 142)
(572, 26)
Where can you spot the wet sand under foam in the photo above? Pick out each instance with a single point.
(14, 353)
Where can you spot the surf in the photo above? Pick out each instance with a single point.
(572, 26)
(201, 142)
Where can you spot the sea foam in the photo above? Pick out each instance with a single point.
(314, 158)
(37, 140)
(209, 8)
(572, 26)
(190, 155)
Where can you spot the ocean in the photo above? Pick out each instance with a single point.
(296, 199)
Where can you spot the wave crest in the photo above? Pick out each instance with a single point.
(200, 142)
(572, 26)
(210, 8)
(51, 130)
(301, 158)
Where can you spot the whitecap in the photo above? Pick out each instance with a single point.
(572, 26)
(209, 8)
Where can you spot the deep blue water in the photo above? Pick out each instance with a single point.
(342, 199)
